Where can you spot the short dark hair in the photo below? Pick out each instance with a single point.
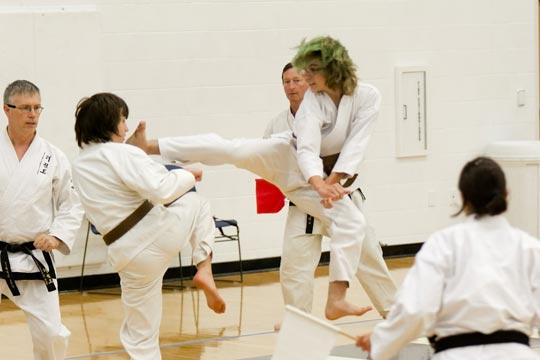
(285, 68)
(483, 187)
(97, 117)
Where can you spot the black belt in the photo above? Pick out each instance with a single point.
(129, 222)
(477, 338)
(361, 194)
(46, 275)
(310, 220)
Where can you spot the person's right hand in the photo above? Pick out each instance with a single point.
(197, 173)
(333, 192)
(364, 342)
(328, 192)
(46, 242)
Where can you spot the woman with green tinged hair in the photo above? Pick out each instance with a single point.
(332, 59)
(334, 123)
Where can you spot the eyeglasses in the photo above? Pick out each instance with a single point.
(312, 70)
(27, 108)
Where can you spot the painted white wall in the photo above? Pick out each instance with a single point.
(214, 65)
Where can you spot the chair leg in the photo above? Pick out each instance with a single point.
(181, 271)
(81, 285)
(240, 258)
(236, 238)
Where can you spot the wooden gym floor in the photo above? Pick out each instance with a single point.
(189, 330)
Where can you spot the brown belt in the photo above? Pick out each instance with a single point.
(328, 164)
(129, 222)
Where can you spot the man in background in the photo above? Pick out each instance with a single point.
(302, 236)
(294, 87)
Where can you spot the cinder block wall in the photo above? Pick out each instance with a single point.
(199, 66)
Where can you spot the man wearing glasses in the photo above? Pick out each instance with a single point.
(39, 212)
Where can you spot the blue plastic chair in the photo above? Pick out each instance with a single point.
(228, 230)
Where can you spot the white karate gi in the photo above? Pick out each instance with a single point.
(37, 196)
(301, 250)
(275, 160)
(282, 122)
(113, 180)
(322, 129)
(481, 275)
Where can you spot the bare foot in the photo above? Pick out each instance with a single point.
(205, 281)
(277, 326)
(338, 309)
(138, 138)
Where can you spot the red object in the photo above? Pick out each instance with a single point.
(270, 199)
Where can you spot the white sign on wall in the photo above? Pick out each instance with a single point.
(411, 120)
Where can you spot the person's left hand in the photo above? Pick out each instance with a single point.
(364, 342)
(327, 203)
(335, 178)
(46, 242)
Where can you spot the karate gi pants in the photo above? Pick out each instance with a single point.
(301, 255)
(141, 280)
(42, 310)
(274, 159)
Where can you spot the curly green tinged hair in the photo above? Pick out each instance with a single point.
(337, 66)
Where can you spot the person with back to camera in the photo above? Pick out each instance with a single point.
(40, 211)
(474, 288)
(123, 192)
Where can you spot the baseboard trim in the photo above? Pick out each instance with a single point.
(397, 251)
(101, 281)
